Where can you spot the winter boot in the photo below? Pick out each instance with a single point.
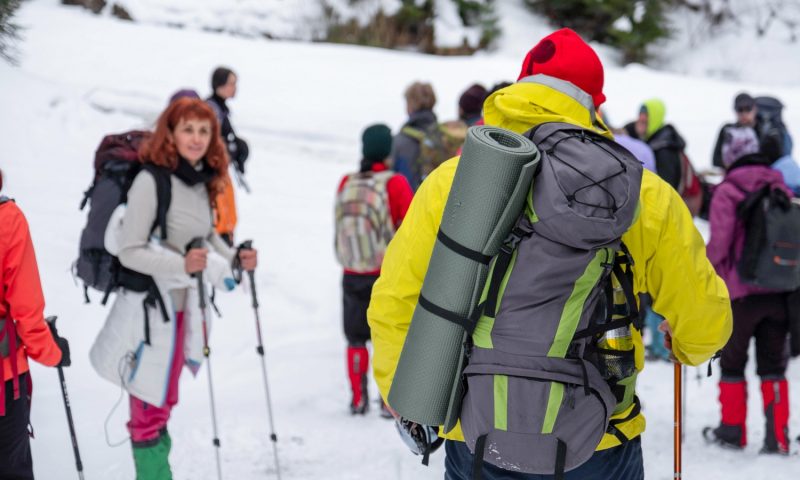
(776, 410)
(732, 431)
(151, 458)
(357, 366)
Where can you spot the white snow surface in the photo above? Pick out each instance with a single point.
(302, 107)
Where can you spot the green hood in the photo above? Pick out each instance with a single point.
(656, 111)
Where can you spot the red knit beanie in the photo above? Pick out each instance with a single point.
(564, 55)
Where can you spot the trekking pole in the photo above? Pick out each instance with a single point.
(684, 405)
(51, 322)
(201, 290)
(248, 245)
(678, 434)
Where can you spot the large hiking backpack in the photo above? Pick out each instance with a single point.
(116, 165)
(438, 143)
(552, 355)
(364, 225)
(771, 254)
(770, 123)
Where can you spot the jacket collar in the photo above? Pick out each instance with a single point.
(539, 99)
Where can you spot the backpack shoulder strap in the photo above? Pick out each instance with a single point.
(163, 180)
(4, 199)
(415, 133)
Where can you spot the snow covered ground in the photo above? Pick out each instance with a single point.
(302, 108)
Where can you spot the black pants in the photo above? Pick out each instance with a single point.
(765, 318)
(15, 445)
(356, 292)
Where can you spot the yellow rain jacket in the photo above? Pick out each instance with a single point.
(668, 251)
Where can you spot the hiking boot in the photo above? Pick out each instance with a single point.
(357, 365)
(726, 436)
(776, 412)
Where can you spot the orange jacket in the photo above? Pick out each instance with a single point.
(21, 297)
(225, 211)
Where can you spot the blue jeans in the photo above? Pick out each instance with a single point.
(618, 463)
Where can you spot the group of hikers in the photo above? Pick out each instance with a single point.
(696, 301)
(603, 247)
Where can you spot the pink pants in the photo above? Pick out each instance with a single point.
(148, 420)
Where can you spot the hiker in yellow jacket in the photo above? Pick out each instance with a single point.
(668, 251)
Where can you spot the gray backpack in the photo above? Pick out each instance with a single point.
(552, 356)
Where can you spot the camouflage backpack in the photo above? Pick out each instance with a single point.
(437, 143)
(363, 222)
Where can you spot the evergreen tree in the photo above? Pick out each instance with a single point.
(8, 30)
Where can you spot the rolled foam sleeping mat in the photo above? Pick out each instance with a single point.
(488, 194)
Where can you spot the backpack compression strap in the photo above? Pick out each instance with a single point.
(163, 192)
(467, 323)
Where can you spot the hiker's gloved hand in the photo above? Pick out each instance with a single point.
(664, 328)
(248, 259)
(63, 345)
(195, 260)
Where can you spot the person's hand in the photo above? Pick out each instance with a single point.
(664, 328)
(63, 345)
(195, 260)
(248, 259)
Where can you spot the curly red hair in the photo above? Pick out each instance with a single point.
(160, 149)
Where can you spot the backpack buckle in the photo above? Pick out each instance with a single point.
(518, 233)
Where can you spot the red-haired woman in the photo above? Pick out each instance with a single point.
(23, 335)
(155, 328)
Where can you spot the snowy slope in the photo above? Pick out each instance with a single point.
(302, 107)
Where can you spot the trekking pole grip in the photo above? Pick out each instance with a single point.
(197, 242)
(248, 245)
(51, 324)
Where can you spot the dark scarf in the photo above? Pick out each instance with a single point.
(221, 102)
(191, 176)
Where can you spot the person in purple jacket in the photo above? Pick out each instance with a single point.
(757, 312)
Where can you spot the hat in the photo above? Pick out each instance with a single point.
(471, 101)
(564, 55)
(743, 101)
(184, 93)
(739, 141)
(220, 77)
(376, 143)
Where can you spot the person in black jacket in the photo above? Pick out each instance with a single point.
(223, 84)
(663, 138)
(420, 100)
(746, 110)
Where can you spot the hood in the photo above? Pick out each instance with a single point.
(666, 137)
(540, 99)
(753, 177)
(656, 112)
(421, 119)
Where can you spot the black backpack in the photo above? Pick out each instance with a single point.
(116, 165)
(770, 127)
(771, 254)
